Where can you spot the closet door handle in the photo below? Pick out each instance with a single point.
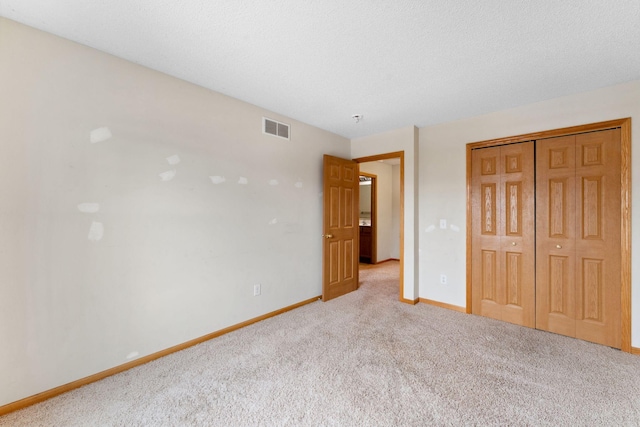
(558, 246)
(513, 243)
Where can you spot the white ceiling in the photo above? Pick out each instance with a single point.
(396, 62)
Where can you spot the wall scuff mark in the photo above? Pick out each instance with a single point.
(217, 179)
(89, 207)
(99, 135)
(173, 160)
(96, 232)
(168, 175)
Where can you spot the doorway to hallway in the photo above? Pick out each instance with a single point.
(380, 220)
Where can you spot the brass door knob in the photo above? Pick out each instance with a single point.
(559, 246)
(327, 236)
(513, 243)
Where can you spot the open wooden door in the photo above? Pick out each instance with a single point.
(340, 227)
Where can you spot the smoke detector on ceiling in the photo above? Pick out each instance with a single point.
(357, 117)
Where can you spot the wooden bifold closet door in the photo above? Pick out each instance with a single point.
(578, 236)
(546, 234)
(503, 258)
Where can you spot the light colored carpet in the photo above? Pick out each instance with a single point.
(364, 359)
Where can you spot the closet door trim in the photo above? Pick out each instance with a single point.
(625, 219)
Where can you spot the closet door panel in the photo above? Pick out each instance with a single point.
(598, 238)
(556, 232)
(503, 248)
(487, 277)
(518, 241)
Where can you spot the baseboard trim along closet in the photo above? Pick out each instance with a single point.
(635, 350)
(48, 394)
(409, 301)
(444, 305)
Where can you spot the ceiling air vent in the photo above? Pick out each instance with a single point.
(272, 127)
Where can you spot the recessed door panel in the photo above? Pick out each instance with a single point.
(334, 207)
(592, 206)
(348, 195)
(592, 153)
(349, 271)
(559, 289)
(557, 211)
(559, 157)
(489, 279)
(489, 208)
(334, 260)
(334, 172)
(489, 162)
(514, 278)
(513, 163)
(561, 297)
(513, 194)
(348, 173)
(592, 290)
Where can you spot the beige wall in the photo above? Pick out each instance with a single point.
(365, 200)
(384, 205)
(443, 180)
(178, 258)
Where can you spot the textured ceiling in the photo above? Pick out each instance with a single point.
(398, 63)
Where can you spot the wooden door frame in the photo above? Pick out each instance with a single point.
(386, 156)
(374, 217)
(625, 219)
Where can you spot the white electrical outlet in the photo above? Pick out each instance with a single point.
(443, 279)
(443, 224)
(256, 290)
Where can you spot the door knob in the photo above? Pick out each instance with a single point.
(327, 236)
(559, 246)
(513, 243)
